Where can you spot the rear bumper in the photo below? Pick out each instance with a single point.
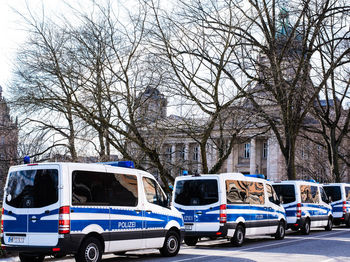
(342, 220)
(222, 232)
(299, 223)
(69, 244)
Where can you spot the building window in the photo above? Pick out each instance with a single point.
(246, 150)
(169, 152)
(196, 153)
(265, 150)
(182, 153)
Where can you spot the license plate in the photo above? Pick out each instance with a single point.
(188, 227)
(16, 239)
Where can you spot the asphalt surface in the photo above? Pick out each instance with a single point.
(319, 246)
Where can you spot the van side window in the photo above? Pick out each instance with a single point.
(123, 190)
(271, 194)
(333, 192)
(236, 192)
(347, 193)
(309, 194)
(153, 192)
(323, 195)
(90, 188)
(286, 191)
(256, 193)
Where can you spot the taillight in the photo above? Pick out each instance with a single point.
(223, 214)
(64, 220)
(2, 221)
(298, 210)
(344, 207)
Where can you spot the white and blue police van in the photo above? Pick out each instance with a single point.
(306, 204)
(339, 195)
(229, 205)
(86, 210)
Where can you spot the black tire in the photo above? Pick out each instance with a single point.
(191, 241)
(171, 244)
(329, 224)
(281, 231)
(89, 251)
(305, 229)
(238, 238)
(31, 257)
(348, 222)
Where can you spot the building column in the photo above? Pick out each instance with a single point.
(199, 160)
(272, 159)
(230, 162)
(252, 162)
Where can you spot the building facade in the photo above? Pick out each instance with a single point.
(8, 140)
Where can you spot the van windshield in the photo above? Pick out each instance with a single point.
(286, 191)
(333, 192)
(32, 188)
(196, 192)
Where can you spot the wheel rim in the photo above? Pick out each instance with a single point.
(92, 252)
(172, 244)
(330, 223)
(281, 231)
(307, 227)
(240, 236)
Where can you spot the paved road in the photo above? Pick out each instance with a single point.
(319, 246)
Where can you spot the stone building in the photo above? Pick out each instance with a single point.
(8, 140)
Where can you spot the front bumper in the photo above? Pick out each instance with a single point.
(222, 232)
(297, 225)
(345, 219)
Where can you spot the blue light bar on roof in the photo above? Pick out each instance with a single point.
(310, 180)
(255, 175)
(128, 164)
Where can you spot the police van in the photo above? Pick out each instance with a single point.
(86, 210)
(339, 194)
(306, 205)
(228, 205)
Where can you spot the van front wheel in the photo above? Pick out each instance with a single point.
(281, 231)
(329, 224)
(171, 244)
(31, 257)
(90, 251)
(238, 238)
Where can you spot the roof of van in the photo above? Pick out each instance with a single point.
(76, 165)
(337, 184)
(296, 182)
(239, 176)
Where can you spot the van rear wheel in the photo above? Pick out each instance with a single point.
(191, 241)
(89, 251)
(305, 230)
(31, 257)
(238, 238)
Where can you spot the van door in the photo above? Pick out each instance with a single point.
(259, 223)
(272, 208)
(198, 200)
(126, 212)
(155, 213)
(33, 195)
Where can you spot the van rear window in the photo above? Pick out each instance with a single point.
(333, 192)
(32, 188)
(196, 192)
(286, 191)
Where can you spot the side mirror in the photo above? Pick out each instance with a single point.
(168, 200)
(330, 199)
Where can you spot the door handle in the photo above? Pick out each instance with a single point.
(199, 212)
(10, 212)
(47, 211)
(33, 219)
(137, 211)
(149, 211)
